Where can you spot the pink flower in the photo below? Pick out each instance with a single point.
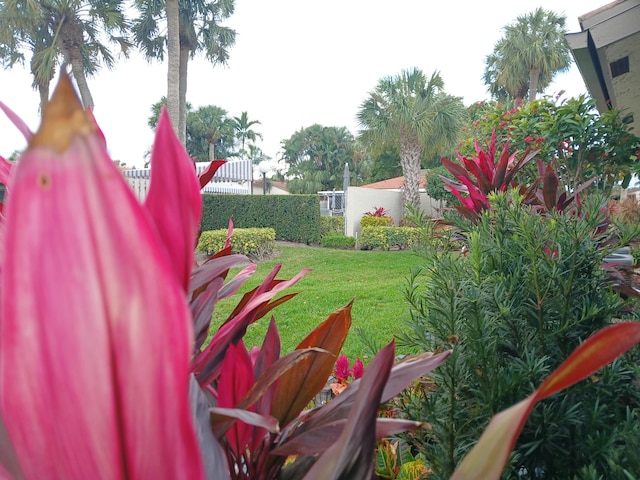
(96, 331)
(341, 371)
(528, 139)
(358, 369)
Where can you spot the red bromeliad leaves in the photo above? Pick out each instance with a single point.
(96, 335)
(488, 458)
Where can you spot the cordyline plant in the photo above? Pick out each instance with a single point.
(486, 173)
(104, 370)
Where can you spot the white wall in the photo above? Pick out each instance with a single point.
(361, 200)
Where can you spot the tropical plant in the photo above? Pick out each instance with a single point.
(192, 27)
(212, 409)
(581, 142)
(526, 59)
(412, 113)
(529, 290)
(74, 29)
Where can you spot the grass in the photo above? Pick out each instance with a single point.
(375, 279)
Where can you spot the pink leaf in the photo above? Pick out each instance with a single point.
(96, 335)
(17, 121)
(174, 200)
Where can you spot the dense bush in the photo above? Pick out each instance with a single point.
(387, 237)
(337, 240)
(331, 224)
(256, 243)
(371, 221)
(295, 218)
(528, 291)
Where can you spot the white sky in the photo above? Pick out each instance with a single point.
(298, 62)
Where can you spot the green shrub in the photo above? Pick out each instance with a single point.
(529, 290)
(331, 224)
(385, 238)
(295, 218)
(336, 240)
(370, 221)
(256, 243)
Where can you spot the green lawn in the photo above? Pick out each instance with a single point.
(375, 279)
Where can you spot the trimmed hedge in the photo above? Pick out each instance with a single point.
(331, 224)
(385, 238)
(371, 221)
(295, 218)
(337, 240)
(256, 243)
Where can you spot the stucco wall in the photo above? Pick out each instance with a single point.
(361, 200)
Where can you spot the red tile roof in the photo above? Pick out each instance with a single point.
(393, 183)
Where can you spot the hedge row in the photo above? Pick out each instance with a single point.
(385, 238)
(256, 243)
(295, 218)
(337, 240)
(331, 224)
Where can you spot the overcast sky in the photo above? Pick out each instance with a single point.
(300, 62)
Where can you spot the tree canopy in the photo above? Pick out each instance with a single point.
(526, 59)
(316, 156)
(413, 114)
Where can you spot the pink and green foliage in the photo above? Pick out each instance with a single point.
(483, 174)
(105, 368)
(105, 371)
(377, 212)
(584, 143)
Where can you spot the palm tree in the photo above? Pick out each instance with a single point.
(199, 30)
(72, 29)
(532, 51)
(415, 115)
(244, 133)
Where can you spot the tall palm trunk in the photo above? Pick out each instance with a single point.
(182, 121)
(410, 153)
(173, 72)
(534, 77)
(77, 70)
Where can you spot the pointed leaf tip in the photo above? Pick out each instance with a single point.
(62, 118)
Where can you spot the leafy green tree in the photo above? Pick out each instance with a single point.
(316, 156)
(581, 142)
(73, 29)
(414, 115)
(526, 59)
(210, 131)
(199, 29)
(245, 135)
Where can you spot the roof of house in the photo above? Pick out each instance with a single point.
(394, 183)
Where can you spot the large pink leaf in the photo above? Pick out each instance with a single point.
(487, 459)
(235, 380)
(174, 199)
(96, 334)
